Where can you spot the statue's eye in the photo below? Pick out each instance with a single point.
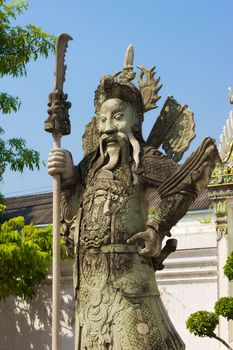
(118, 116)
(103, 119)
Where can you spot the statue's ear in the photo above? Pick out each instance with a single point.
(91, 136)
(136, 122)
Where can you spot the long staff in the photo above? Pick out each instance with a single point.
(58, 124)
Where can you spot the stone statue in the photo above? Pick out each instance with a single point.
(116, 247)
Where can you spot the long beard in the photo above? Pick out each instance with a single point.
(120, 155)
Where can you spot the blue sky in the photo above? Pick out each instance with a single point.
(190, 42)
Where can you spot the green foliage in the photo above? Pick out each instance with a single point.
(25, 253)
(43, 237)
(15, 154)
(228, 268)
(2, 208)
(25, 250)
(23, 263)
(224, 307)
(18, 46)
(202, 323)
(9, 103)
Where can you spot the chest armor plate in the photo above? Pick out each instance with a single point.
(113, 209)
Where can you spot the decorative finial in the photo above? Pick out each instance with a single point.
(129, 57)
(127, 74)
(226, 140)
(147, 92)
(230, 95)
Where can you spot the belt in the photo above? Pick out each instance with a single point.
(119, 248)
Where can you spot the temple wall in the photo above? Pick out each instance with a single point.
(187, 284)
(189, 281)
(27, 325)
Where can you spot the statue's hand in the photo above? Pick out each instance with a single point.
(151, 239)
(60, 163)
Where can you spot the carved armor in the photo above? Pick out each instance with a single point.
(104, 211)
(118, 303)
(118, 300)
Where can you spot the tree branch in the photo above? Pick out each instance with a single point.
(222, 341)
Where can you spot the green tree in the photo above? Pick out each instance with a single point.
(23, 263)
(228, 268)
(25, 250)
(203, 323)
(18, 46)
(25, 253)
(224, 307)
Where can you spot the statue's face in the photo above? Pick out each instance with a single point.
(116, 119)
(115, 116)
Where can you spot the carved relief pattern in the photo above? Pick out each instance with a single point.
(118, 303)
(100, 208)
(222, 175)
(138, 327)
(114, 312)
(106, 313)
(220, 209)
(174, 129)
(95, 301)
(90, 137)
(220, 191)
(102, 202)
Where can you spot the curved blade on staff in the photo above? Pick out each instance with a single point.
(58, 124)
(60, 66)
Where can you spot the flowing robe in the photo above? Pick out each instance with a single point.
(118, 303)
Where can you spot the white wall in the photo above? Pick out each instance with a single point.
(26, 326)
(187, 284)
(189, 281)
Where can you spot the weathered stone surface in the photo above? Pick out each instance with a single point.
(105, 218)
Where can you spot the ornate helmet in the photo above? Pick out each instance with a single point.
(119, 85)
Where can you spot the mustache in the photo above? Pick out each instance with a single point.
(114, 136)
(124, 141)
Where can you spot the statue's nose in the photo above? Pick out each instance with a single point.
(110, 131)
(109, 127)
